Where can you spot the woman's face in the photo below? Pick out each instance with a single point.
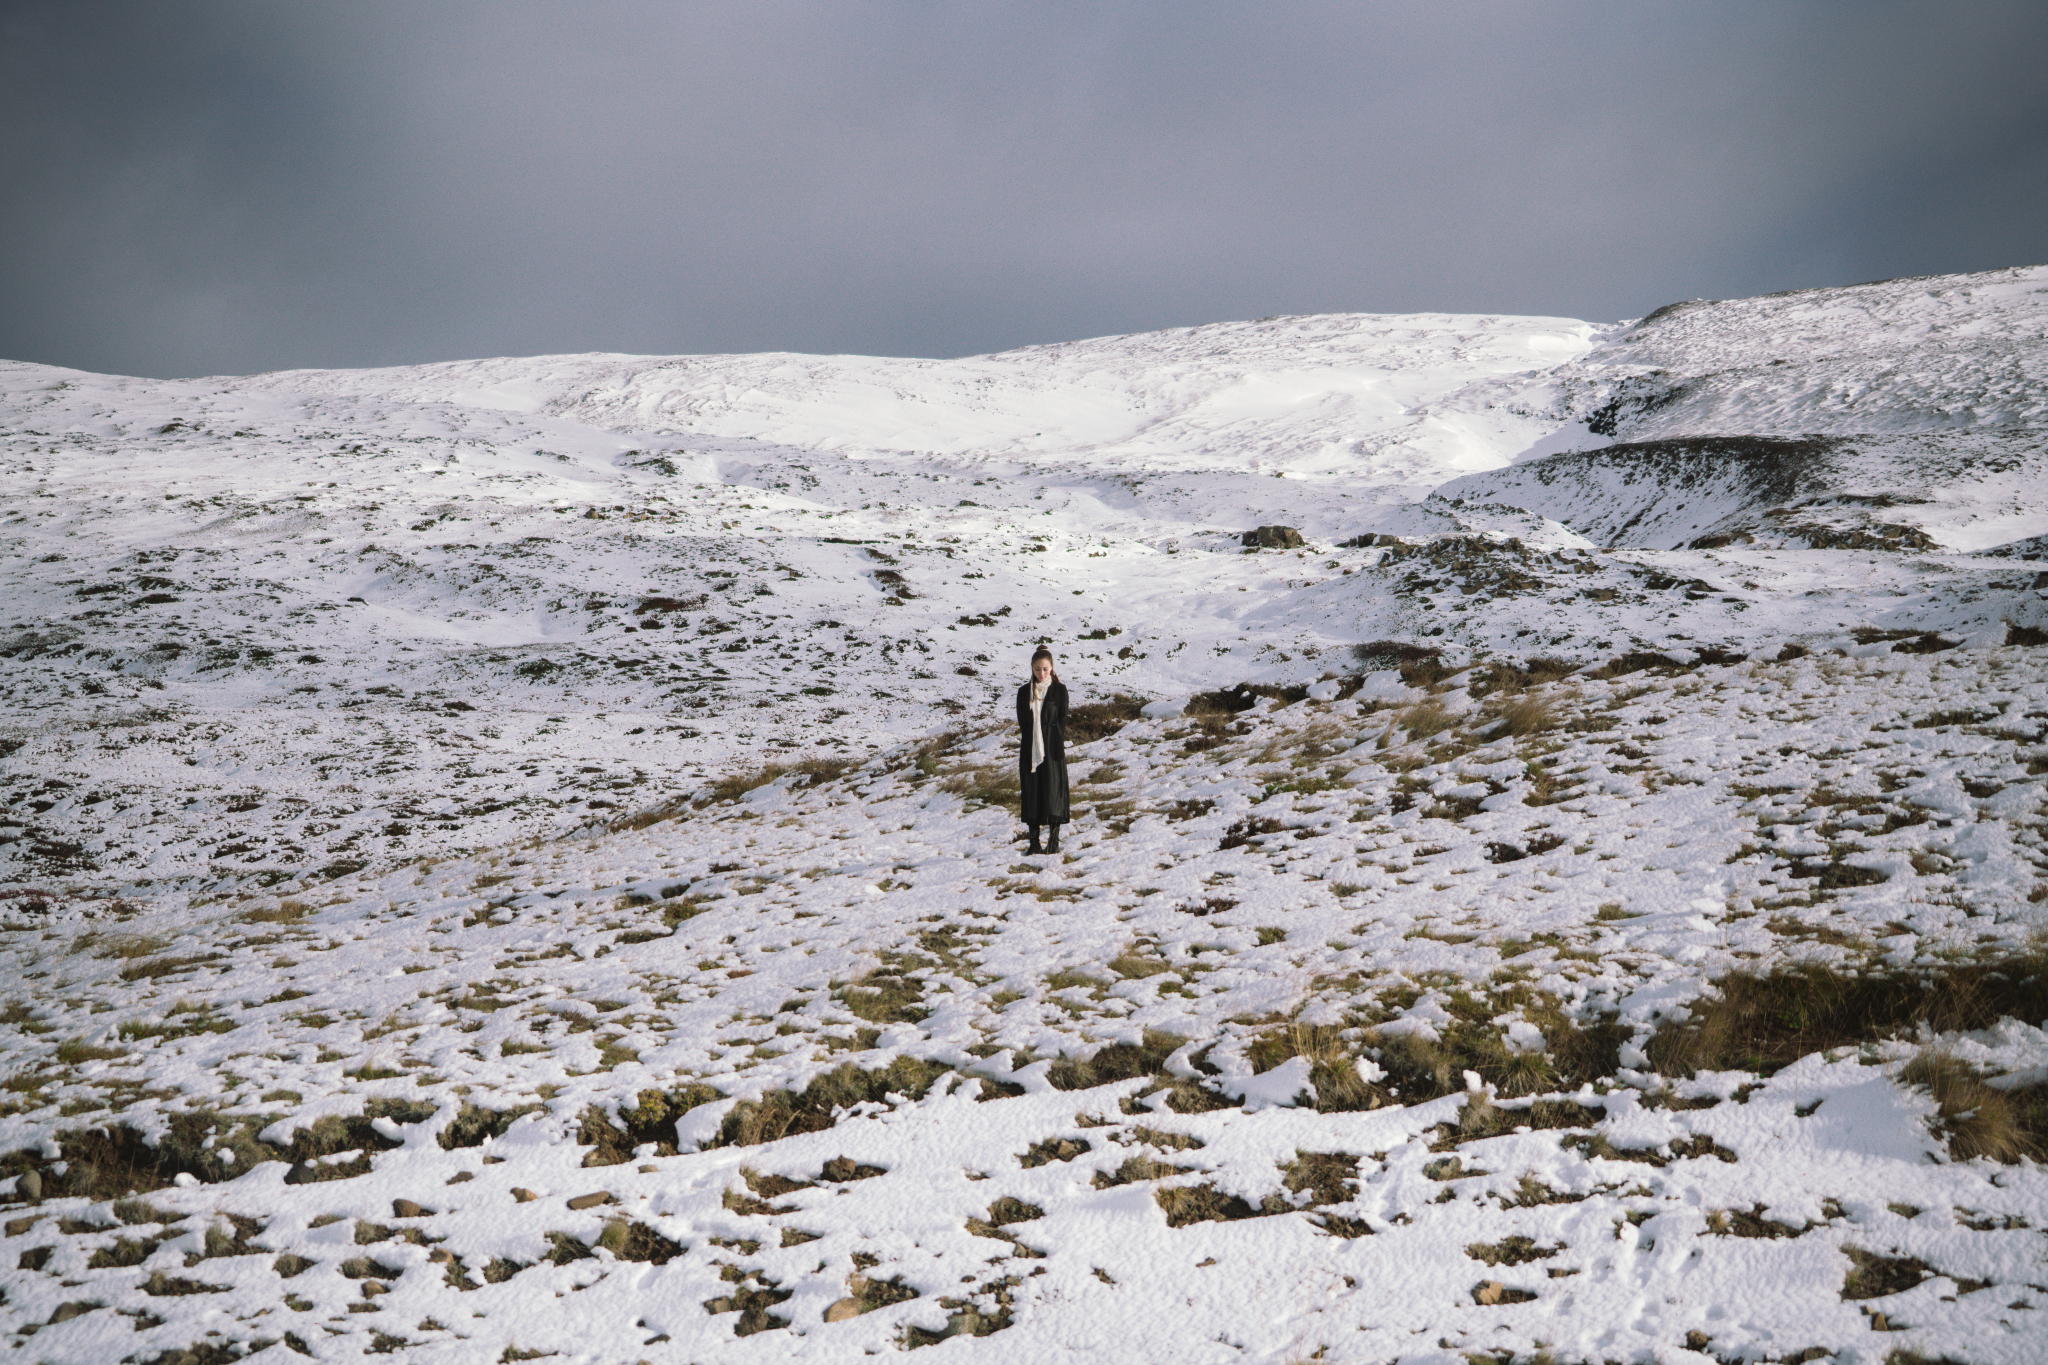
(1041, 669)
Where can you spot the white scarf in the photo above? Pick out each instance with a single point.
(1038, 690)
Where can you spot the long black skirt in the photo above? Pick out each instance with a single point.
(1045, 795)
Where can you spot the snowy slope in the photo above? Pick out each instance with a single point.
(1345, 394)
(1825, 416)
(609, 743)
(1942, 353)
(1967, 492)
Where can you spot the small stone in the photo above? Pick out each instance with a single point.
(29, 1185)
(523, 1195)
(1273, 538)
(405, 1208)
(300, 1174)
(67, 1311)
(1488, 1292)
(842, 1309)
(591, 1201)
(460, 1176)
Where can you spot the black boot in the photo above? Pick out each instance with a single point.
(1035, 850)
(1052, 843)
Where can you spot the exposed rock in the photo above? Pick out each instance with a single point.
(1274, 538)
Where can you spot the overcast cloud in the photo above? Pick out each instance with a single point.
(229, 187)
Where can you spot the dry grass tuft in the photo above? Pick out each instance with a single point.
(127, 947)
(733, 786)
(1095, 720)
(994, 784)
(1134, 963)
(1763, 1023)
(1333, 1067)
(284, 912)
(816, 1107)
(885, 996)
(1423, 720)
(1979, 1119)
(1530, 714)
(1125, 1061)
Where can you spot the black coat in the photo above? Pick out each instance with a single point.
(1045, 790)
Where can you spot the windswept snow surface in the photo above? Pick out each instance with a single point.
(384, 753)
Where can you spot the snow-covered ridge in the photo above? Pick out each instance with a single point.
(1350, 394)
(1966, 491)
(1942, 353)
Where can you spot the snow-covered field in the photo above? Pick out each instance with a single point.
(508, 858)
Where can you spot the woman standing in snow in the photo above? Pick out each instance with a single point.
(1042, 750)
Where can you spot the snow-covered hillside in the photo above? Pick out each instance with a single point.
(426, 784)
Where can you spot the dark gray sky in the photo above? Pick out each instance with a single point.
(200, 188)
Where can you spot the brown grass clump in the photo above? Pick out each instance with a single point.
(1124, 1061)
(1333, 1067)
(1574, 1052)
(630, 1241)
(1095, 720)
(1116, 1062)
(1979, 1119)
(992, 785)
(1421, 1068)
(733, 786)
(1134, 963)
(1872, 1276)
(1188, 1204)
(1002, 1213)
(284, 912)
(150, 969)
(116, 1160)
(1327, 1177)
(1506, 678)
(127, 947)
(1423, 720)
(1529, 714)
(816, 1107)
(1418, 1069)
(1242, 832)
(1764, 1023)
(113, 1161)
(752, 1296)
(886, 996)
(1751, 1223)
(1514, 1250)
(651, 1118)
(1377, 655)
(1136, 1170)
